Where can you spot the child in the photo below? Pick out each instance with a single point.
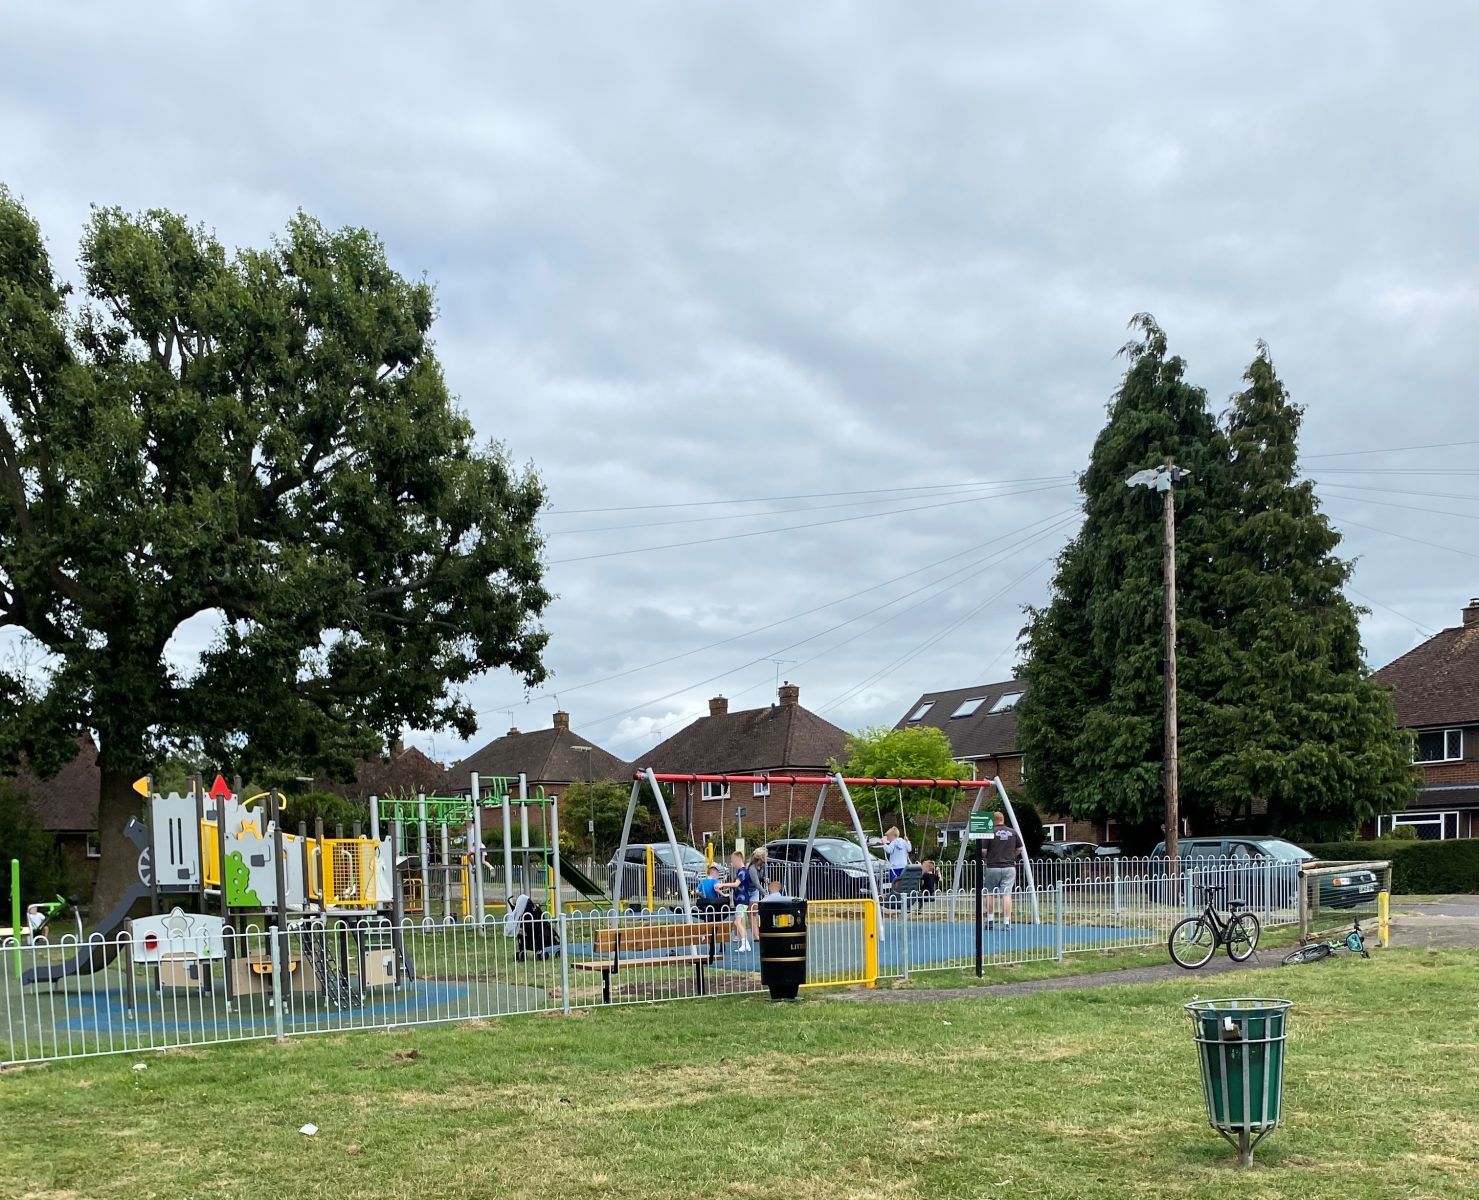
(773, 891)
(710, 891)
(929, 879)
(745, 886)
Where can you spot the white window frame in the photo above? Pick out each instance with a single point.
(1055, 831)
(762, 789)
(1449, 736)
(94, 846)
(919, 713)
(1416, 819)
(1005, 702)
(716, 791)
(1111, 833)
(968, 708)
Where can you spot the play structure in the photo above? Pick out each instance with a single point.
(242, 903)
(215, 850)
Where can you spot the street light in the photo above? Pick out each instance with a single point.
(1163, 479)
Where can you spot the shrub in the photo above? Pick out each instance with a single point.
(1418, 867)
(43, 871)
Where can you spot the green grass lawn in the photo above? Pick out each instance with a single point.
(1067, 1094)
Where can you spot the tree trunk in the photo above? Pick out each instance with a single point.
(118, 869)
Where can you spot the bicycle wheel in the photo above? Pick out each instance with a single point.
(1242, 937)
(1191, 943)
(1307, 954)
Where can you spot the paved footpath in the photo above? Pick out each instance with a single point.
(1447, 922)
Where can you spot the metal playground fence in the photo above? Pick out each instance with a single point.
(181, 988)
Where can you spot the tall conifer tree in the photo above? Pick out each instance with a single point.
(1296, 721)
(1091, 722)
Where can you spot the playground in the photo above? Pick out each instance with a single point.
(1069, 1094)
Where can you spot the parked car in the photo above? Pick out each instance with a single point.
(1345, 890)
(839, 868)
(1063, 850)
(633, 883)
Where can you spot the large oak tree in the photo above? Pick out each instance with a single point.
(265, 436)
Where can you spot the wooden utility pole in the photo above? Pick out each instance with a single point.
(1168, 573)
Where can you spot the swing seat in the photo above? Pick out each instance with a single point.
(907, 884)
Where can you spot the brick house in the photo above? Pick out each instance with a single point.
(551, 759)
(981, 723)
(405, 771)
(1435, 690)
(67, 807)
(783, 739)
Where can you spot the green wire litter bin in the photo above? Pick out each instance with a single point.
(1241, 1047)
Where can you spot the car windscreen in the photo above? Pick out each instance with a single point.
(691, 857)
(843, 853)
(1284, 851)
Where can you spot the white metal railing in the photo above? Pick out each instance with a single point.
(368, 974)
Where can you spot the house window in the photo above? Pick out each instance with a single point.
(968, 707)
(1430, 826)
(716, 791)
(1055, 833)
(1439, 745)
(762, 789)
(94, 846)
(1111, 832)
(918, 713)
(1006, 702)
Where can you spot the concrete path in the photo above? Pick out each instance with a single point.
(1450, 922)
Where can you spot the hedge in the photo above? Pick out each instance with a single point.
(1418, 868)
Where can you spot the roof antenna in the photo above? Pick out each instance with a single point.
(779, 663)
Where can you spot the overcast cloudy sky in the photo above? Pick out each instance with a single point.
(848, 257)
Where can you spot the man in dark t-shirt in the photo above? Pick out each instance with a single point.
(1002, 851)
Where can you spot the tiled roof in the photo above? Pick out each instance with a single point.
(1453, 797)
(783, 736)
(544, 755)
(68, 801)
(983, 734)
(1437, 683)
(404, 773)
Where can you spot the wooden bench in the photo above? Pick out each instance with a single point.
(696, 945)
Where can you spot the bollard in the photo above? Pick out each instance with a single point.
(564, 965)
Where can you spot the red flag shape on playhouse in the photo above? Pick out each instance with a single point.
(219, 790)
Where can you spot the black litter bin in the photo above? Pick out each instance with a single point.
(783, 947)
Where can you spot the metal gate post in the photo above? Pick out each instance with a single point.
(904, 939)
(1058, 930)
(278, 968)
(1114, 869)
(564, 964)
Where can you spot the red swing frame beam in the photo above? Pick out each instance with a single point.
(850, 780)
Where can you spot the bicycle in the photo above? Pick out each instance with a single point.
(1194, 941)
(1354, 942)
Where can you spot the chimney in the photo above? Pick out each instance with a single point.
(718, 706)
(562, 721)
(513, 732)
(790, 695)
(1471, 613)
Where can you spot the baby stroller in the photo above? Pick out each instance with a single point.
(531, 925)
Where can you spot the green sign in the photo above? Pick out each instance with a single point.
(980, 822)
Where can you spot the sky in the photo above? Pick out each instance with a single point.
(806, 315)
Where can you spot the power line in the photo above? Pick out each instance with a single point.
(1418, 625)
(1048, 520)
(862, 633)
(773, 512)
(1403, 537)
(931, 641)
(1385, 491)
(732, 537)
(922, 487)
(1393, 449)
(944, 583)
(1440, 512)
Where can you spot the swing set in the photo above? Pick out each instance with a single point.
(844, 785)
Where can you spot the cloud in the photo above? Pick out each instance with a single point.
(688, 253)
